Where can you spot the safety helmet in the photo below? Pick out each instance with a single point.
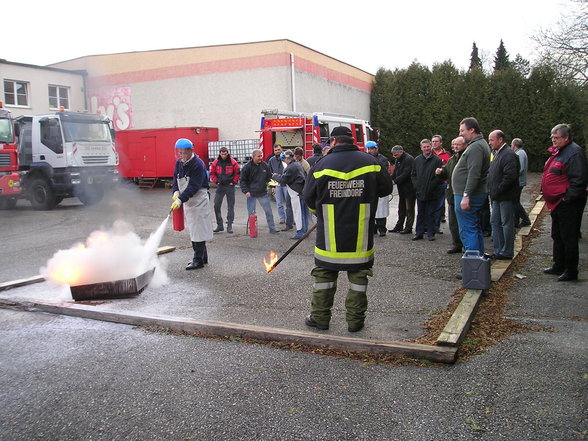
(184, 143)
(370, 145)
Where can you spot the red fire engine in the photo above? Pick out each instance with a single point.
(293, 129)
(9, 178)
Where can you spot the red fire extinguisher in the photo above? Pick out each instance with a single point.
(252, 225)
(178, 218)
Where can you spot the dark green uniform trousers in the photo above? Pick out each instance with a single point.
(323, 294)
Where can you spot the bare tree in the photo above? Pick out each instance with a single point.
(565, 45)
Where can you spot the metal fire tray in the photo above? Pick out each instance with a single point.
(117, 289)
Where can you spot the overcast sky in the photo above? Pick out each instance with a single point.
(367, 34)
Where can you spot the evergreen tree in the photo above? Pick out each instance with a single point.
(475, 61)
(501, 60)
(522, 65)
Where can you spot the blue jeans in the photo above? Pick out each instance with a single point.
(284, 206)
(470, 229)
(503, 229)
(267, 208)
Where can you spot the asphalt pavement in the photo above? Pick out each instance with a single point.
(65, 378)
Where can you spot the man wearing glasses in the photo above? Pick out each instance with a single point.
(564, 181)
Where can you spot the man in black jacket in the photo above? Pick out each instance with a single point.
(343, 190)
(254, 178)
(406, 196)
(503, 183)
(426, 184)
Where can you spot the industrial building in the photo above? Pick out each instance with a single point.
(224, 86)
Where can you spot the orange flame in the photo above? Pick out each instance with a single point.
(269, 266)
(67, 273)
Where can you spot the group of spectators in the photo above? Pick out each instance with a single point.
(485, 179)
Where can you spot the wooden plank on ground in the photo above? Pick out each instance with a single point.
(209, 327)
(21, 282)
(459, 323)
(165, 250)
(536, 210)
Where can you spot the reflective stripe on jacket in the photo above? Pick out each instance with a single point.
(343, 190)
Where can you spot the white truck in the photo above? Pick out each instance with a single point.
(66, 154)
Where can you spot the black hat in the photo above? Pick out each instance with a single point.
(341, 131)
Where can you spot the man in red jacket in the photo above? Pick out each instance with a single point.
(564, 182)
(224, 172)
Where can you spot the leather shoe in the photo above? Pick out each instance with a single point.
(406, 231)
(285, 228)
(566, 277)
(459, 276)
(218, 229)
(193, 265)
(500, 257)
(382, 233)
(309, 321)
(418, 237)
(430, 238)
(355, 328)
(553, 270)
(454, 250)
(395, 230)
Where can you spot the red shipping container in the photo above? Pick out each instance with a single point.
(151, 153)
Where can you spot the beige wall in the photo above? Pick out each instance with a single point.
(223, 86)
(38, 80)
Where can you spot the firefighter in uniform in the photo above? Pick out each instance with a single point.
(343, 190)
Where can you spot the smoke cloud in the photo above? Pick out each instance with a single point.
(116, 254)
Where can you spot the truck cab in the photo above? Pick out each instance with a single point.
(68, 154)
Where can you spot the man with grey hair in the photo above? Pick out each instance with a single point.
(255, 176)
(564, 181)
(406, 195)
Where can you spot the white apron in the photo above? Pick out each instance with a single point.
(383, 209)
(197, 214)
(296, 209)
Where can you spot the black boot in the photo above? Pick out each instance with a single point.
(229, 228)
(199, 253)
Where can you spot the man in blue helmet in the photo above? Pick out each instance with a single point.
(190, 188)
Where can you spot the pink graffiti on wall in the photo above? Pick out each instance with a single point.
(116, 104)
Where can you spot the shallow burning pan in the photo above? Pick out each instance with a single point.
(112, 290)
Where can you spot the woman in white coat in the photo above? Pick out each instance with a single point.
(190, 188)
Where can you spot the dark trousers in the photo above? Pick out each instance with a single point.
(485, 217)
(453, 225)
(426, 217)
(520, 214)
(200, 253)
(405, 210)
(566, 221)
(221, 192)
(440, 210)
(380, 225)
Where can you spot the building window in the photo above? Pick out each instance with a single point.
(16, 93)
(58, 97)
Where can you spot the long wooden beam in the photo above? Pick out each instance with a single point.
(425, 352)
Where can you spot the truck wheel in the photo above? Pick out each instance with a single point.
(91, 195)
(42, 195)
